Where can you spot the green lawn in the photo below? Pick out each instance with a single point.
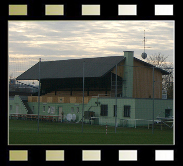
(25, 132)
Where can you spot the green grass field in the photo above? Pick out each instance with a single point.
(25, 132)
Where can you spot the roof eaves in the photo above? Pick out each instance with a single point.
(113, 67)
(164, 72)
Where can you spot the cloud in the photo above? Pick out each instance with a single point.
(53, 39)
(61, 40)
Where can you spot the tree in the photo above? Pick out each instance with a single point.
(159, 60)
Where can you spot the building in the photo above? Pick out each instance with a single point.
(62, 89)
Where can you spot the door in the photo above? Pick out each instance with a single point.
(167, 113)
(17, 108)
(60, 114)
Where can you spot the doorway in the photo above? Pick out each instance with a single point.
(60, 113)
(167, 113)
(17, 109)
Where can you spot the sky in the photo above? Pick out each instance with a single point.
(60, 40)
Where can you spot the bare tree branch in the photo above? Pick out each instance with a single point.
(159, 60)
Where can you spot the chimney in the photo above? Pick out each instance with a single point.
(127, 90)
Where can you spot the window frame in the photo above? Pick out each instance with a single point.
(104, 112)
(127, 110)
(114, 106)
(11, 107)
(44, 108)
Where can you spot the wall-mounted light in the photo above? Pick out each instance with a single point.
(97, 103)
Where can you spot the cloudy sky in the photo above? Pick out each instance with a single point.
(58, 40)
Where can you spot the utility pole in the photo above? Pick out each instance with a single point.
(39, 92)
(83, 92)
(153, 103)
(116, 100)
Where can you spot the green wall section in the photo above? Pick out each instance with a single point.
(91, 106)
(139, 109)
(144, 109)
(67, 108)
(110, 119)
(16, 106)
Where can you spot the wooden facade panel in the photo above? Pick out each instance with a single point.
(72, 99)
(79, 99)
(29, 98)
(76, 93)
(60, 99)
(143, 82)
(49, 99)
(34, 99)
(57, 99)
(63, 99)
(44, 99)
(86, 100)
(120, 69)
(66, 100)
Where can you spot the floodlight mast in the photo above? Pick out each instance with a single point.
(153, 103)
(116, 100)
(83, 92)
(39, 92)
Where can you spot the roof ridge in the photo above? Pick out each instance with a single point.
(83, 58)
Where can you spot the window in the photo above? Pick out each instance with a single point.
(43, 108)
(48, 109)
(77, 109)
(115, 110)
(126, 111)
(104, 110)
(52, 110)
(72, 109)
(167, 112)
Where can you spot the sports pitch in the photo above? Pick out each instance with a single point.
(26, 132)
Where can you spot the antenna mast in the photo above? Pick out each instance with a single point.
(144, 40)
(144, 55)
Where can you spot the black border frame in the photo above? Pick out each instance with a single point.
(73, 153)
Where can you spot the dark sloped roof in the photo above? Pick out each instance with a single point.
(94, 67)
(73, 68)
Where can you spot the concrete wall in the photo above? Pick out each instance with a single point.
(139, 109)
(16, 105)
(91, 106)
(110, 119)
(144, 108)
(67, 108)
